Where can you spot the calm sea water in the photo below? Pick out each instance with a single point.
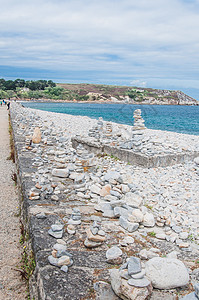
(182, 119)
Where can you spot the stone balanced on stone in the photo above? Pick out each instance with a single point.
(137, 130)
(138, 121)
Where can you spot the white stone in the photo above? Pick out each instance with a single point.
(196, 160)
(132, 199)
(149, 220)
(166, 273)
(62, 173)
(95, 189)
(113, 253)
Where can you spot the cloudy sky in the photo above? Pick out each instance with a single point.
(146, 43)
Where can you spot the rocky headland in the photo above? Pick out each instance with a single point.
(101, 227)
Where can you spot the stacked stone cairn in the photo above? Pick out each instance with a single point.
(60, 257)
(95, 236)
(56, 230)
(75, 218)
(137, 131)
(96, 131)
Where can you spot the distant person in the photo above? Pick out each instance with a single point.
(1, 103)
(8, 105)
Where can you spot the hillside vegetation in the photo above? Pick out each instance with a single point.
(48, 90)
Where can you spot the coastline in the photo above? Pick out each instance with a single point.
(104, 102)
(166, 194)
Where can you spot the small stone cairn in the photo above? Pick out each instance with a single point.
(96, 131)
(95, 236)
(137, 131)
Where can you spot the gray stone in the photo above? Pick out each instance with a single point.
(74, 222)
(132, 227)
(56, 234)
(139, 275)
(53, 261)
(143, 282)
(120, 211)
(134, 265)
(64, 269)
(113, 252)
(61, 253)
(196, 287)
(94, 230)
(59, 247)
(123, 222)
(166, 273)
(56, 227)
(111, 175)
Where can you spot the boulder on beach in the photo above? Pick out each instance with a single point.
(167, 273)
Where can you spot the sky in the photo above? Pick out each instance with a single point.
(144, 43)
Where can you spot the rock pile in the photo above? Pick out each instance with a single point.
(110, 205)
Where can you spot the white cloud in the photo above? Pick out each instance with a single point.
(137, 39)
(138, 83)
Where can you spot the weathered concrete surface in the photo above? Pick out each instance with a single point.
(135, 158)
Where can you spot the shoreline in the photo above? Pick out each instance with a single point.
(105, 102)
(62, 185)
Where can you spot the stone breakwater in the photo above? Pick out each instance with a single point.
(99, 227)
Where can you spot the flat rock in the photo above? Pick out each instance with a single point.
(53, 261)
(113, 255)
(143, 282)
(62, 173)
(91, 244)
(96, 237)
(166, 273)
(132, 199)
(56, 234)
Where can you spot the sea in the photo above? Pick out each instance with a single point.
(181, 119)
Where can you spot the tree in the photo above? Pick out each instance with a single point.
(19, 82)
(10, 85)
(2, 83)
(51, 83)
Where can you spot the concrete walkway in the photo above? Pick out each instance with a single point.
(11, 285)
